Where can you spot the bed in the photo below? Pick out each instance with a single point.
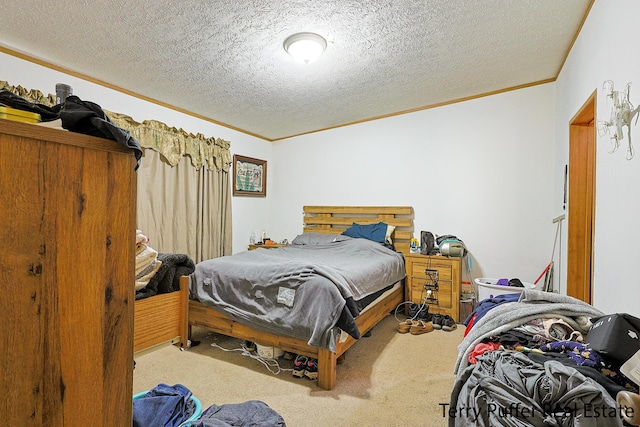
(161, 320)
(528, 360)
(160, 310)
(327, 348)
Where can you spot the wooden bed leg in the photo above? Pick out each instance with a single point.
(185, 334)
(326, 369)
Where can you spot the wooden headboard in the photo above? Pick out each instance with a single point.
(336, 219)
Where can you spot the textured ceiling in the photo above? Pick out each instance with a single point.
(223, 60)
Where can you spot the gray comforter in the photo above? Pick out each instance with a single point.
(299, 290)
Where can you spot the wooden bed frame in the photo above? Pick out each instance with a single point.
(161, 320)
(331, 220)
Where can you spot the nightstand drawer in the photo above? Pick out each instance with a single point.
(418, 270)
(440, 297)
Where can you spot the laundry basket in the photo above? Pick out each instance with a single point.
(489, 288)
(197, 412)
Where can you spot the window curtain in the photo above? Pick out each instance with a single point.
(184, 201)
(183, 209)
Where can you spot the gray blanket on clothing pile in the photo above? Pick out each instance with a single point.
(298, 291)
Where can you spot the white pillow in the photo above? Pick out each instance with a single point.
(387, 237)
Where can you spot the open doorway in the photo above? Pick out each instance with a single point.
(581, 192)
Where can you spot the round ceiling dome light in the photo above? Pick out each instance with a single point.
(305, 47)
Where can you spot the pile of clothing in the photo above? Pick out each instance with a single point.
(527, 360)
(175, 406)
(157, 272)
(79, 116)
(147, 263)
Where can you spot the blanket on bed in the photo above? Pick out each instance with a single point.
(531, 305)
(298, 291)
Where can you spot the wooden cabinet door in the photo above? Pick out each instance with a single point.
(67, 269)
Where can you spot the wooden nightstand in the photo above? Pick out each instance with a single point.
(434, 280)
(277, 245)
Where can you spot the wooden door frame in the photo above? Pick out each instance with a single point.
(581, 192)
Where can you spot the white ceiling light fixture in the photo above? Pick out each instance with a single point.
(305, 47)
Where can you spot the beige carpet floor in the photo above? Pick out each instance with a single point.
(387, 379)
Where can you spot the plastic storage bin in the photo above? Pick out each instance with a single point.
(19, 115)
(488, 288)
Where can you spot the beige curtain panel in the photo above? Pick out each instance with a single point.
(182, 209)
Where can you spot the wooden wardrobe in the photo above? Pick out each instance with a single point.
(67, 243)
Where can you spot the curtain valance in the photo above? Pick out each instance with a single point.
(172, 143)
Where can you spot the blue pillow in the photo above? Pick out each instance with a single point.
(376, 232)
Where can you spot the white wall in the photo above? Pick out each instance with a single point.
(607, 49)
(481, 170)
(248, 212)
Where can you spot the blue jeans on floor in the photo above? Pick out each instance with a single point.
(163, 406)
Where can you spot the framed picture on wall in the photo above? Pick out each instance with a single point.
(249, 176)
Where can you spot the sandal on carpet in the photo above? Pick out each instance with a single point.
(404, 327)
(421, 327)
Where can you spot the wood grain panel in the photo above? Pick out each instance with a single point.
(154, 311)
(70, 269)
(336, 219)
(22, 314)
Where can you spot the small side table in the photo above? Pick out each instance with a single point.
(277, 245)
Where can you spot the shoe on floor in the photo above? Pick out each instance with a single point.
(299, 365)
(436, 319)
(404, 327)
(311, 369)
(419, 312)
(448, 324)
(421, 327)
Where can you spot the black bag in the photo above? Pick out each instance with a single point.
(615, 336)
(427, 243)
